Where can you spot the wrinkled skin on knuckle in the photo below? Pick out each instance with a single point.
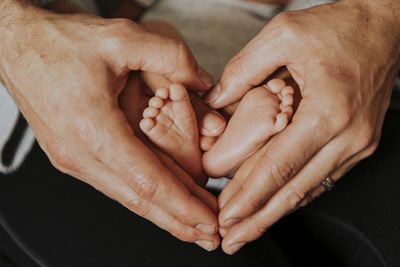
(183, 61)
(61, 157)
(235, 70)
(286, 25)
(281, 173)
(253, 203)
(121, 28)
(370, 150)
(366, 139)
(342, 119)
(260, 230)
(321, 122)
(144, 186)
(114, 38)
(293, 197)
(138, 205)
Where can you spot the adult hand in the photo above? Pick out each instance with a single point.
(65, 73)
(344, 57)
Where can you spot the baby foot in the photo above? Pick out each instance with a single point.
(170, 123)
(263, 112)
(210, 123)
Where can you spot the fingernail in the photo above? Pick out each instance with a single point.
(205, 244)
(213, 95)
(230, 222)
(206, 78)
(234, 248)
(207, 229)
(222, 231)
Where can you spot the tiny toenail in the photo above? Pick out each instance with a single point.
(213, 95)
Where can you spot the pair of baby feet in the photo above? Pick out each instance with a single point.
(169, 121)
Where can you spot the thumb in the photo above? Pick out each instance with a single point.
(248, 69)
(137, 49)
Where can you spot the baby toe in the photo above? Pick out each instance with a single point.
(146, 124)
(281, 122)
(287, 100)
(162, 93)
(288, 110)
(150, 112)
(156, 102)
(288, 90)
(275, 86)
(178, 92)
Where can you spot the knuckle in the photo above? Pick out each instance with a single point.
(61, 157)
(145, 187)
(344, 114)
(260, 230)
(286, 23)
(252, 202)
(234, 69)
(86, 134)
(183, 63)
(117, 32)
(371, 148)
(113, 44)
(140, 206)
(183, 55)
(283, 18)
(281, 173)
(320, 122)
(316, 120)
(293, 197)
(343, 119)
(366, 139)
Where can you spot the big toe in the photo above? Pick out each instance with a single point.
(211, 123)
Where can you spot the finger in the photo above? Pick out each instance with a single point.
(234, 186)
(141, 50)
(210, 122)
(116, 188)
(258, 60)
(283, 159)
(147, 175)
(288, 197)
(335, 176)
(195, 189)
